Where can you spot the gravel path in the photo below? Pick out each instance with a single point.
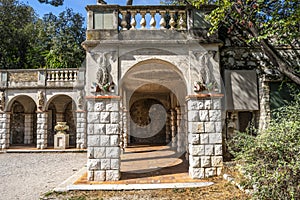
(27, 176)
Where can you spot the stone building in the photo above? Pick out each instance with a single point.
(152, 76)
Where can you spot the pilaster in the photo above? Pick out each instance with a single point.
(81, 126)
(4, 130)
(41, 133)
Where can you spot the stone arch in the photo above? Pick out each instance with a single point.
(61, 107)
(23, 120)
(159, 80)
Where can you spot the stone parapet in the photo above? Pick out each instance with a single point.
(205, 135)
(103, 135)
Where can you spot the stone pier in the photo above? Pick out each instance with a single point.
(103, 138)
(205, 135)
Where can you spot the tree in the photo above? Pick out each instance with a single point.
(268, 24)
(64, 35)
(27, 41)
(17, 27)
(53, 2)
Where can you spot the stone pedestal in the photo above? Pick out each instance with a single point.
(61, 140)
(205, 135)
(103, 138)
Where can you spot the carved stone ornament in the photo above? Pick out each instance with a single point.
(104, 83)
(41, 99)
(80, 100)
(2, 100)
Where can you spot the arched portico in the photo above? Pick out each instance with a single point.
(23, 126)
(61, 108)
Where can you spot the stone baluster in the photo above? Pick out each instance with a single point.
(52, 75)
(123, 22)
(143, 20)
(172, 20)
(49, 76)
(71, 78)
(67, 75)
(152, 21)
(75, 76)
(162, 22)
(133, 21)
(56, 76)
(173, 127)
(182, 25)
(61, 75)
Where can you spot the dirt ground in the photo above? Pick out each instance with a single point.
(221, 190)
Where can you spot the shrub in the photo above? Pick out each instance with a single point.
(271, 161)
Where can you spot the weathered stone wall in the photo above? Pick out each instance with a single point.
(205, 136)
(103, 139)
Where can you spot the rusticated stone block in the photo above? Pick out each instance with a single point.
(93, 164)
(112, 175)
(99, 175)
(197, 173)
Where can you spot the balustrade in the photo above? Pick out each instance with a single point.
(149, 16)
(62, 75)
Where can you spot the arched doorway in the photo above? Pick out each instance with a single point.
(23, 121)
(61, 108)
(154, 132)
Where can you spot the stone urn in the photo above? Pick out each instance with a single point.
(61, 138)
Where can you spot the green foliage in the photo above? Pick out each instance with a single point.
(271, 161)
(64, 35)
(27, 41)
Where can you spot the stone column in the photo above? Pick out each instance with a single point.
(4, 130)
(41, 133)
(173, 127)
(205, 135)
(28, 135)
(103, 138)
(81, 129)
(179, 123)
(168, 128)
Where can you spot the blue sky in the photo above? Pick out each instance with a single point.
(79, 5)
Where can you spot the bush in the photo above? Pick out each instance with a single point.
(271, 161)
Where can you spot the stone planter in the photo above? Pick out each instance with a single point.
(61, 138)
